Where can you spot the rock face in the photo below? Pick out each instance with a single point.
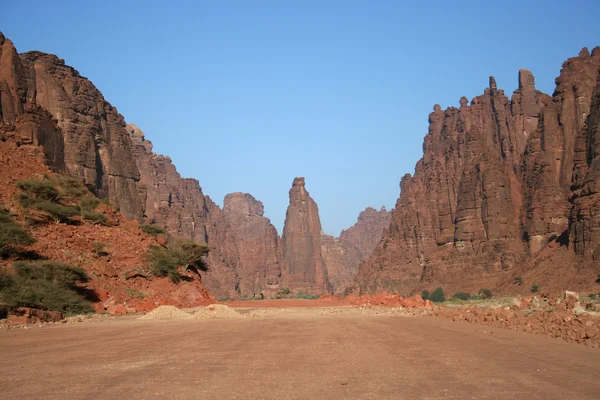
(343, 256)
(179, 205)
(257, 244)
(585, 215)
(333, 254)
(359, 241)
(493, 188)
(94, 144)
(301, 242)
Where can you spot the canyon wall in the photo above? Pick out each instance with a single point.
(494, 188)
(63, 119)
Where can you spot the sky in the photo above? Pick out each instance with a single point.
(246, 95)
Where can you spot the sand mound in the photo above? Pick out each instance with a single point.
(166, 312)
(217, 311)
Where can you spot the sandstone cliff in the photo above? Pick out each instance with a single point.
(301, 242)
(493, 187)
(39, 93)
(179, 205)
(257, 244)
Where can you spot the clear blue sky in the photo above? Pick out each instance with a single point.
(246, 95)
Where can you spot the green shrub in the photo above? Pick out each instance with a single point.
(152, 229)
(518, 280)
(58, 212)
(438, 295)
(534, 288)
(11, 233)
(39, 190)
(71, 188)
(461, 296)
(47, 285)
(485, 293)
(425, 294)
(165, 261)
(598, 279)
(88, 203)
(307, 296)
(94, 217)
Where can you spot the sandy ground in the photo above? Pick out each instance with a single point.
(294, 354)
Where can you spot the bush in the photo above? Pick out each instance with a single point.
(46, 285)
(535, 288)
(518, 280)
(11, 233)
(165, 261)
(94, 217)
(461, 296)
(307, 296)
(38, 190)
(71, 188)
(485, 293)
(58, 212)
(61, 197)
(152, 229)
(438, 296)
(88, 203)
(425, 294)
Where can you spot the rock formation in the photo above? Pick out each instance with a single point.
(257, 244)
(493, 187)
(343, 256)
(359, 241)
(179, 205)
(94, 144)
(301, 242)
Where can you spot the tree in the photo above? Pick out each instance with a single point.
(58, 212)
(11, 233)
(46, 285)
(438, 295)
(461, 296)
(425, 294)
(152, 229)
(181, 253)
(485, 293)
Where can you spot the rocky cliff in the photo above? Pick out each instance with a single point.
(343, 256)
(258, 245)
(301, 242)
(493, 188)
(64, 112)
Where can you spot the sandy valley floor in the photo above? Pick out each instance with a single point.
(301, 354)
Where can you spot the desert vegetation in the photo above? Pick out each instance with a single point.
(178, 254)
(45, 285)
(59, 198)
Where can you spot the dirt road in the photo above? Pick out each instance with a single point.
(303, 356)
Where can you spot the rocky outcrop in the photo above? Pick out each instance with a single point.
(359, 241)
(492, 188)
(585, 215)
(301, 242)
(343, 256)
(333, 254)
(179, 205)
(92, 144)
(257, 244)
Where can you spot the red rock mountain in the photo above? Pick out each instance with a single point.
(48, 105)
(257, 243)
(343, 256)
(301, 242)
(504, 187)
